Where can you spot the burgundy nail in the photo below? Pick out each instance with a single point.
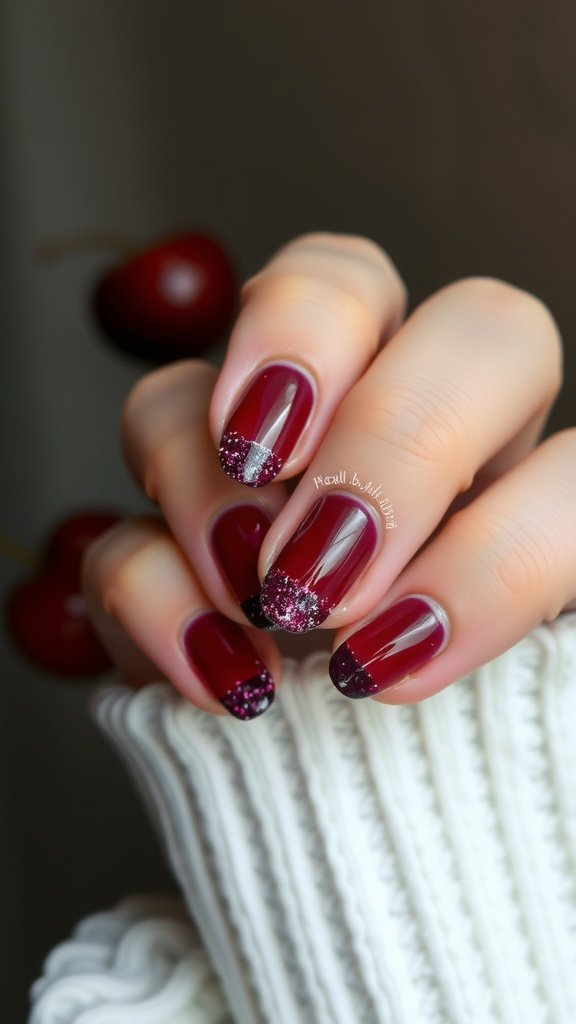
(266, 425)
(236, 538)
(227, 662)
(321, 560)
(391, 646)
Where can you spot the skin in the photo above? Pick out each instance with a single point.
(445, 409)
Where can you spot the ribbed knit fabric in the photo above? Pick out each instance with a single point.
(348, 862)
(140, 963)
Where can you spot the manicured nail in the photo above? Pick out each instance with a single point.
(393, 645)
(236, 538)
(229, 665)
(320, 562)
(265, 425)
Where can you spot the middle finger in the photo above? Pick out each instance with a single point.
(463, 383)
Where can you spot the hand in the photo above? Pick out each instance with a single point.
(436, 530)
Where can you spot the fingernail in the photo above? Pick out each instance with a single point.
(393, 645)
(236, 538)
(229, 665)
(316, 568)
(265, 425)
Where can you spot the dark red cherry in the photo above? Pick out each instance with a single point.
(170, 301)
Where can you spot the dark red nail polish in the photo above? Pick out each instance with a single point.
(227, 662)
(266, 424)
(319, 563)
(391, 646)
(236, 538)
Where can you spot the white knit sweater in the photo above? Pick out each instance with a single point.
(347, 862)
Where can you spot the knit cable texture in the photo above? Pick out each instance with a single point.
(348, 862)
(138, 963)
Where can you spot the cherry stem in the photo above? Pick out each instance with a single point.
(17, 552)
(82, 242)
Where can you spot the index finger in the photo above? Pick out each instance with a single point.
(312, 320)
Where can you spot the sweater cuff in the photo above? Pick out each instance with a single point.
(354, 861)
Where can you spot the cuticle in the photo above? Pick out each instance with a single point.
(344, 494)
(408, 678)
(184, 625)
(363, 503)
(376, 520)
(441, 614)
(214, 517)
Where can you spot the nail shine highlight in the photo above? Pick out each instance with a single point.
(266, 425)
(395, 644)
(224, 658)
(315, 569)
(236, 537)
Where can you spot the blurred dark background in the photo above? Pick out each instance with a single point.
(444, 131)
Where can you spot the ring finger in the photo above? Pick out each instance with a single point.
(143, 596)
(218, 525)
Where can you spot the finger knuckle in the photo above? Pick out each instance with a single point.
(145, 392)
(360, 249)
(410, 421)
(357, 268)
(314, 299)
(499, 303)
(340, 301)
(175, 461)
(108, 560)
(502, 299)
(97, 553)
(517, 553)
(562, 445)
(341, 244)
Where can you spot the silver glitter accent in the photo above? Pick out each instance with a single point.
(247, 461)
(290, 605)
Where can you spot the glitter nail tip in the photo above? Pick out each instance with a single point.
(252, 608)
(349, 676)
(248, 462)
(290, 605)
(392, 646)
(250, 698)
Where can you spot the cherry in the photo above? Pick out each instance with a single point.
(47, 615)
(49, 622)
(65, 546)
(170, 301)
